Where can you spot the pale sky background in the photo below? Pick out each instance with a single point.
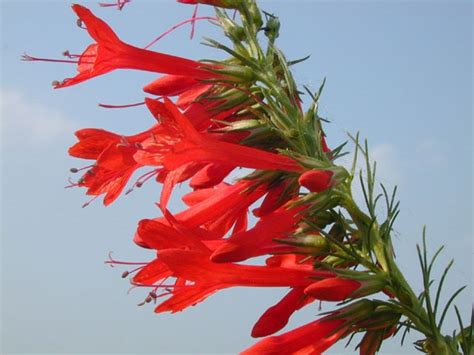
(398, 71)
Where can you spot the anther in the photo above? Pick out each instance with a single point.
(73, 170)
(56, 83)
(79, 23)
(139, 184)
(125, 274)
(148, 299)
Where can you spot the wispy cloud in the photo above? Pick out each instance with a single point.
(430, 151)
(31, 124)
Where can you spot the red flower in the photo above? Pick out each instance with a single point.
(217, 211)
(170, 85)
(114, 159)
(259, 239)
(276, 197)
(277, 316)
(339, 289)
(312, 338)
(211, 175)
(110, 53)
(183, 144)
(196, 266)
(316, 180)
(333, 289)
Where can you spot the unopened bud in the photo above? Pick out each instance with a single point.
(316, 180)
(232, 30)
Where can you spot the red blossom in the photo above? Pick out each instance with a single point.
(333, 289)
(277, 316)
(110, 53)
(195, 266)
(316, 180)
(312, 338)
(188, 145)
(259, 239)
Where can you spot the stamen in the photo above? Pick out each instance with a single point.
(193, 24)
(122, 106)
(113, 262)
(89, 202)
(75, 170)
(119, 4)
(177, 26)
(29, 58)
(66, 53)
(80, 24)
(145, 177)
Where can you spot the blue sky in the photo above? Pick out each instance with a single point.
(400, 72)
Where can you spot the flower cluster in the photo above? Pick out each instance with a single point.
(208, 119)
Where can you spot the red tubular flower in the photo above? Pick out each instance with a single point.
(110, 53)
(333, 289)
(312, 338)
(184, 144)
(218, 212)
(211, 175)
(339, 289)
(170, 85)
(247, 244)
(113, 169)
(195, 266)
(276, 197)
(114, 159)
(277, 316)
(316, 180)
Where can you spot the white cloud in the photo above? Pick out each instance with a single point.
(31, 124)
(430, 151)
(388, 166)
